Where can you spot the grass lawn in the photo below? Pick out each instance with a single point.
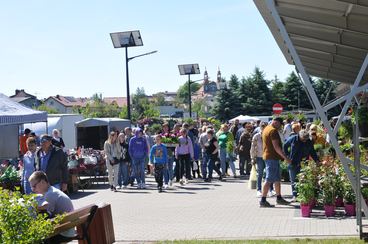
(297, 241)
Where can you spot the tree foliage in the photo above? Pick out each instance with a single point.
(182, 93)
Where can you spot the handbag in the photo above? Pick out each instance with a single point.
(252, 183)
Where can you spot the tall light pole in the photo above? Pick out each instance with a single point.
(189, 69)
(124, 40)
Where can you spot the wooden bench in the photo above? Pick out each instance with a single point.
(81, 217)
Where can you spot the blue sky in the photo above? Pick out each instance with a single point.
(64, 47)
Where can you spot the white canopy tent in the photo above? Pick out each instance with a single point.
(13, 114)
(244, 119)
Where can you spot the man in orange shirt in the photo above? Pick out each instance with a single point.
(22, 142)
(272, 154)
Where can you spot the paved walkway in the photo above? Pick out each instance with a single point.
(217, 210)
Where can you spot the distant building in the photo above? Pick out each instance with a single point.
(169, 97)
(25, 99)
(120, 101)
(170, 111)
(208, 90)
(65, 104)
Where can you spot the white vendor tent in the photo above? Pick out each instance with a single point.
(244, 118)
(13, 114)
(63, 122)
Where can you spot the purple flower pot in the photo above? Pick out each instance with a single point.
(339, 202)
(306, 210)
(329, 210)
(350, 209)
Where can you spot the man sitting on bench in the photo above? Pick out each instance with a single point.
(55, 202)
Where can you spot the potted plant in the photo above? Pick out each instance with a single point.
(9, 179)
(327, 183)
(340, 188)
(19, 220)
(349, 198)
(305, 189)
(365, 193)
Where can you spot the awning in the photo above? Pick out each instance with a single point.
(15, 113)
(330, 36)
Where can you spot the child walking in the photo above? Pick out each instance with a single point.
(158, 156)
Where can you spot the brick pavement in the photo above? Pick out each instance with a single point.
(217, 210)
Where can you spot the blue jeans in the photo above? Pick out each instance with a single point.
(260, 169)
(169, 171)
(139, 165)
(204, 165)
(123, 176)
(294, 170)
(212, 166)
(223, 160)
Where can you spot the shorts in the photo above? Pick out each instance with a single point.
(273, 173)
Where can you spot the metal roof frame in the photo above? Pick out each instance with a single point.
(327, 39)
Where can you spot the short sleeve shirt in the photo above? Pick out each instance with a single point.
(270, 133)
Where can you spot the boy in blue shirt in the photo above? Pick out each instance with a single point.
(158, 156)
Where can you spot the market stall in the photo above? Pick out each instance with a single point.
(12, 115)
(93, 132)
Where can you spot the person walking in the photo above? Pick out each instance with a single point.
(226, 143)
(158, 157)
(112, 151)
(211, 150)
(256, 152)
(243, 149)
(138, 150)
(184, 154)
(272, 154)
(123, 178)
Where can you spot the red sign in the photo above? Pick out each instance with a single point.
(277, 108)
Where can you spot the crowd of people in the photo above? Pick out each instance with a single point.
(133, 153)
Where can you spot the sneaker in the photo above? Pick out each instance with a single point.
(282, 201)
(166, 186)
(259, 193)
(111, 187)
(160, 189)
(185, 181)
(170, 183)
(271, 193)
(143, 186)
(181, 182)
(265, 204)
(114, 189)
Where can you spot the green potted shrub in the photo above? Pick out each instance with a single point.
(349, 198)
(19, 220)
(327, 183)
(305, 189)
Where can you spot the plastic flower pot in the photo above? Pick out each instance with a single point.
(329, 210)
(350, 209)
(312, 203)
(339, 202)
(305, 210)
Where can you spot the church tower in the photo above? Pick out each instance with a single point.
(220, 83)
(205, 77)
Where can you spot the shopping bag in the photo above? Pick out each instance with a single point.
(252, 183)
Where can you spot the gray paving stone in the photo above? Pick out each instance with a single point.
(217, 210)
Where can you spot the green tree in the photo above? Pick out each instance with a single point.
(223, 109)
(141, 106)
(295, 94)
(47, 109)
(159, 100)
(255, 94)
(278, 91)
(183, 92)
(199, 107)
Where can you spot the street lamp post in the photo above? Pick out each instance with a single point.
(125, 40)
(188, 69)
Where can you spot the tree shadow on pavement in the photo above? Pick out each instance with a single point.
(80, 194)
